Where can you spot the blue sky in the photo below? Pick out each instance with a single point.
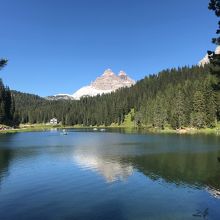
(58, 46)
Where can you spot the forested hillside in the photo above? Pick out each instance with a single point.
(177, 97)
(7, 106)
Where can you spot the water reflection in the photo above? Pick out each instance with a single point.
(198, 170)
(111, 170)
(183, 176)
(183, 160)
(5, 158)
(213, 192)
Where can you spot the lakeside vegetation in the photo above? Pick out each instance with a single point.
(128, 128)
(7, 104)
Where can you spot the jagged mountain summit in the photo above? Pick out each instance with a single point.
(205, 60)
(106, 83)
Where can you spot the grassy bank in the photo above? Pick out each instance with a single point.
(166, 130)
(29, 128)
(127, 125)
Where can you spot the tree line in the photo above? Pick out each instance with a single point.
(7, 105)
(176, 97)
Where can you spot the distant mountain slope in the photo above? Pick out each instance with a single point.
(108, 82)
(22, 100)
(149, 97)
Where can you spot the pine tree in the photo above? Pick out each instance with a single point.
(3, 62)
(2, 112)
(178, 112)
(160, 112)
(213, 57)
(198, 116)
(2, 102)
(6, 110)
(210, 103)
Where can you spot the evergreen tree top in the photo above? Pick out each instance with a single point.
(3, 62)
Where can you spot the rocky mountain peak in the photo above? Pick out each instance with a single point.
(106, 83)
(122, 74)
(108, 72)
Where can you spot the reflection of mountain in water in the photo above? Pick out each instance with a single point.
(115, 159)
(194, 169)
(111, 170)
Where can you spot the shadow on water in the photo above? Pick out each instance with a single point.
(183, 160)
(199, 169)
(5, 158)
(8, 155)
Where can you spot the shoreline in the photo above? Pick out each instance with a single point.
(42, 127)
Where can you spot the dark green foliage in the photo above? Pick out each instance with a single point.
(198, 115)
(3, 62)
(186, 101)
(7, 107)
(178, 112)
(159, 112)
(213, 57)
(179, 97)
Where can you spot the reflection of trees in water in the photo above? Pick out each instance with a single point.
(195, 169)
(198, 169)
(5, 158)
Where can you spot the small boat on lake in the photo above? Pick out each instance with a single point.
(64, 132)
(95, 129)
(102, 129)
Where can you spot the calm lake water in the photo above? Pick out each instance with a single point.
(109, 175)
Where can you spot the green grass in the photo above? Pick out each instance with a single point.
(187, 130)
(29, 128)
(128, 122)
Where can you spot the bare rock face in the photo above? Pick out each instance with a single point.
(106, 83)
(108, 72)
(123, 75)
(60, 97)
(205, 60)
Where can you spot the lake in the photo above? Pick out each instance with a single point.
(109, 175)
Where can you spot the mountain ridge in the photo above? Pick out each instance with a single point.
(106, 83)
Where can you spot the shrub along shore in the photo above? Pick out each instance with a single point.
(125, 128)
